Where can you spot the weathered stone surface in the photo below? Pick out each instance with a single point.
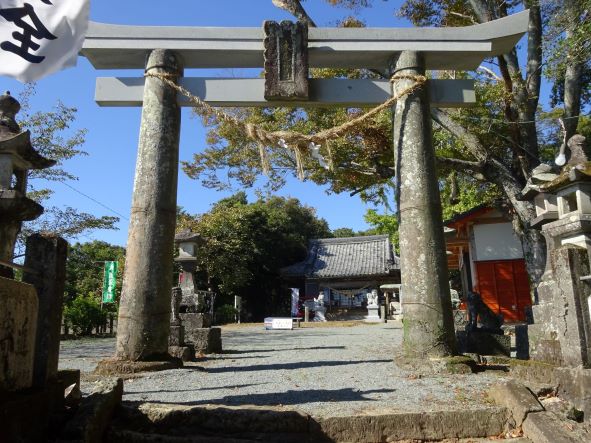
(192, 321)
(428, 321)
(276, 424)
(144, 312)
(177, 336)
(518, 400)
(95, 412)
(18, 324)
(415, 426)
(574, 385)
(46, 256)
(184, 353)
(205, 340)
(544, 427)
(560, 334)
(114, 366)
(286, 60)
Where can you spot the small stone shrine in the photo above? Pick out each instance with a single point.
(561, 333)
(195, 309)
(16, 157)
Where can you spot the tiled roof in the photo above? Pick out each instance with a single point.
(346, 257)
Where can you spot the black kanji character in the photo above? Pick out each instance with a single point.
(38, 31)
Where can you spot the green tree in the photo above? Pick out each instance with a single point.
(246, 244)
(53, 137)
(83, 314)
(344, 232)
(488, 151)
(84, 270)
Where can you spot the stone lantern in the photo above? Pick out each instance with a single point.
(193, 309)
(17, 156)
(187, 243)
(561, 333)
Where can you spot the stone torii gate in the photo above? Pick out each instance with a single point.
(143, 326)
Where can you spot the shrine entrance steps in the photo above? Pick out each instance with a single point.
(153, 422)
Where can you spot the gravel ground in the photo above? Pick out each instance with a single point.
(332, 371)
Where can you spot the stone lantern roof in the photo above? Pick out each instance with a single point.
(17, 156)
(187, 236)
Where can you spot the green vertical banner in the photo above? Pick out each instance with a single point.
(110, 281)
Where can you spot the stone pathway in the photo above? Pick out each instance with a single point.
(328, 371)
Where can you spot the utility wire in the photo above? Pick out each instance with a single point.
(95, 201)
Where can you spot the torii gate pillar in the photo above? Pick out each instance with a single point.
(428, 321)
(144, 310)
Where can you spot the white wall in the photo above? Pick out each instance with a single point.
(496, 241)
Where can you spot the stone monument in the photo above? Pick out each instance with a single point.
(195, 307)
(176, 340)
(561, 329)
(373, 309)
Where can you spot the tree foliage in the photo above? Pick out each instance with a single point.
(246, 244)
(84, 269)
(52, 134)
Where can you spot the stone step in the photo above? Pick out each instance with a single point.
(176, 423)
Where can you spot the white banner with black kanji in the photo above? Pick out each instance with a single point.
(40, 37)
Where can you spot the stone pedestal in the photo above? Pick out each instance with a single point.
(205, 340)
(195, 321)
(373, 314)
(18, 324)
(319, 313)
(559, 334)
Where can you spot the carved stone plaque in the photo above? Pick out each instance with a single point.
(286, 60)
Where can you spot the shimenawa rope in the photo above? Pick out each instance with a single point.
(294, 140)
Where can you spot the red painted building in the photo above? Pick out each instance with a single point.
(482, 245)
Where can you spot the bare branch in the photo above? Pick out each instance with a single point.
(473, 169)
(295, 8)
(470, 140)
(467, 17)
(490, 73)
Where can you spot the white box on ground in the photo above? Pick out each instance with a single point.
(278, 323)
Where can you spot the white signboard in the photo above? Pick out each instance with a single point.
(40, 37)
(496, 241)
(278, 323)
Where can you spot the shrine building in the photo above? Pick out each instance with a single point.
(345, 269)
(482, 245)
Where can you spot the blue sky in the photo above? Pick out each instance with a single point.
(106, 174)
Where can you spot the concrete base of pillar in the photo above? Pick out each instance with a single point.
(205, 340)
(114, 366)
(459, 364)
(373, 314)
(185, 353)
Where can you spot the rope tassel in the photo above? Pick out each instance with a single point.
(299, 158)
(265, 164)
